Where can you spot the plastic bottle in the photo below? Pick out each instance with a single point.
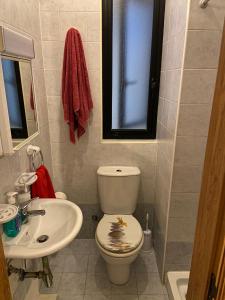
(12, 228)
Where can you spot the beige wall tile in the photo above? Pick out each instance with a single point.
(187, 179)
(93, 27)
(202, 49)
(181, 229)
(172, 117)
(37, 62)
(210, 18)
(73, 19)
(166, 141)
(198, 86)
(88, 5)
(67, 5)
(92, 52)
(175, 51)
(164, 61)
(173, 85)
(55, 108)
(58, 131)
(190, 150)
(50, 25)
(184, 205)
(50, 5)
(162, 88)
(53, 54)
(161, 113)
(53, 82)
(194, 119)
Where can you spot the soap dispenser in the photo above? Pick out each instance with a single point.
(12, 228)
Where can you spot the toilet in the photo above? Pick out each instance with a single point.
(119, 235)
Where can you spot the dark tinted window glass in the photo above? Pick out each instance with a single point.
(132, 41)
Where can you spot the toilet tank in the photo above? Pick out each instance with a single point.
(118, 188)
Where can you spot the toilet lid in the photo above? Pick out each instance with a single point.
(119, 233)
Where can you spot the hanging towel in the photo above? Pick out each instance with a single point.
(76, 94)
(43, 187)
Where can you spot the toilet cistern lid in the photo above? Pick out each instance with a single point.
(119, 233)
(118, 171)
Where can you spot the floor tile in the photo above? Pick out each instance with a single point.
(69, 296)
(76, 263)
(73, 282)
(146, 262)
(149, 283)
(96, 264)
(84, 246)
(65, 251)
(165, 290)
(153, 297)
(56, 262)
(98, 284)
(80, 274)
(124, 297)
(97, 297)
(130, 288)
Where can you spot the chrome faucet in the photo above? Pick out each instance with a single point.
(25, 212)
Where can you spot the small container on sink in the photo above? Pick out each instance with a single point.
(13, 226)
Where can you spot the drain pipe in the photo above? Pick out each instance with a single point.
(45, 274)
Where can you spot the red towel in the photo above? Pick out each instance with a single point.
(76, 94)
(43, 187)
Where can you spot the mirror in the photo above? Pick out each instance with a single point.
(18, 84)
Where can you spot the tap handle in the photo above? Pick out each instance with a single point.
(25, 204)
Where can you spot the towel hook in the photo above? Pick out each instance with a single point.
(32, 152)
(203, 3)
(34, 155)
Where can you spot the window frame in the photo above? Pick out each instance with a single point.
(155, 69)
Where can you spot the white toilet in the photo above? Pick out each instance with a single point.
(119, 235)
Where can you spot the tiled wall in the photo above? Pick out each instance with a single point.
(199, 75)
(74, 166)
(171, 75)
(24, 16)
(182, 145)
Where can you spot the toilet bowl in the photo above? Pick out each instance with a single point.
(119, 236)
(119, 253)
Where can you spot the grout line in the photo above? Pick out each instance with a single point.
(85, 285)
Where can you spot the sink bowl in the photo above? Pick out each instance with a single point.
(61, 224)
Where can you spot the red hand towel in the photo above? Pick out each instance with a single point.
(43, 187)
(76, 94)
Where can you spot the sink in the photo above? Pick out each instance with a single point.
(45, 235)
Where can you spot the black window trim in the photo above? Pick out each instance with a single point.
(155, 67)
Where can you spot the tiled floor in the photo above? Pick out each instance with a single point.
(80, 274)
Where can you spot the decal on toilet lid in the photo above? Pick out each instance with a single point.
(119, 233)
(116, 234)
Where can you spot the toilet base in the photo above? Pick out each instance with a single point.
(118, 265)
(118, 273)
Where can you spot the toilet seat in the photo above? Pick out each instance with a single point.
(119, 233)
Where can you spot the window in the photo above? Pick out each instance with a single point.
(132, 47)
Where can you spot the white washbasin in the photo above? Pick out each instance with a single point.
(61, 223)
